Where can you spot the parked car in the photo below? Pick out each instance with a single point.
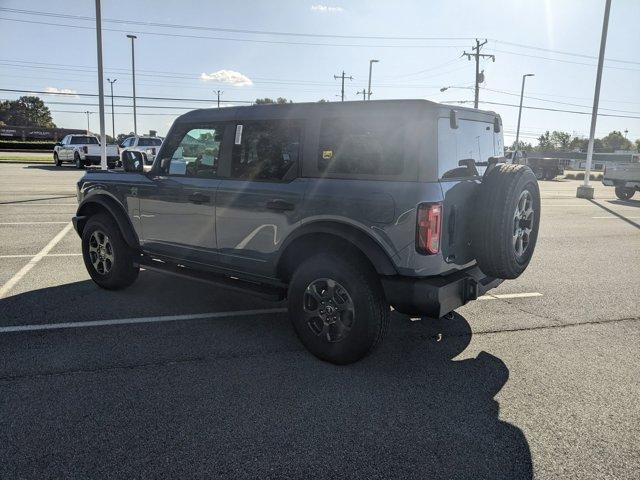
(83, 150)
(149, 146)
(345, 209)
(546, 168)
(625, 177)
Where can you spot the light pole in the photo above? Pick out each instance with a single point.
(218, 93)
(103, 136)
(524, 77)
(113, 122)
(585, 190)
(371, 62)
(133, 75)
(88, 129)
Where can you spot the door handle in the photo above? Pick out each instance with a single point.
(279, 205)
(199, 198)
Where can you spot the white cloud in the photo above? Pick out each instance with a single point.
(326, 9)
(63, 92)
(227, 76)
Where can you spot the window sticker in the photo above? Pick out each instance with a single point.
(238, 135)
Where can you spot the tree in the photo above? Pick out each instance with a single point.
(638, 145)
(27, 111)
(544, 142)
(123, 136)
(560, 140)
(266, 100)
(524, 146)
(616, 141)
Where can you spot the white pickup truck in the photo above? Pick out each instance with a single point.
(83, 150)
(625, 177)
(149, 146)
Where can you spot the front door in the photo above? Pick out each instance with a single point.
(177, 208)
(260, 201)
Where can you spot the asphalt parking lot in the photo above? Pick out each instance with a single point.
(174, 378)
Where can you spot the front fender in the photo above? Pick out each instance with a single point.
(101, 200)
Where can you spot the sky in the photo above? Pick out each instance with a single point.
(293, 49)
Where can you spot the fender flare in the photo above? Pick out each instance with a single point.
(115, 209)
(370, 247)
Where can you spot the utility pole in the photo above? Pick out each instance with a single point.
(364, 94)
(371, 62)
(88, 129)
(133, 74)
(524, 77)
(479, 77)
(342, 77)
(103, 135)
(585, 190)
(113, 122)
(218, 92)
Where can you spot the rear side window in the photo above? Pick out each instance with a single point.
(266, 150)
(84, 141)
(368, 146)
(149, 142)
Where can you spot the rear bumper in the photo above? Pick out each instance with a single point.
(95, 159)
(436, 296)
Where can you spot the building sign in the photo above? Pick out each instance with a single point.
(8, 132)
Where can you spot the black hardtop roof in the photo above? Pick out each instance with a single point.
(301, 110)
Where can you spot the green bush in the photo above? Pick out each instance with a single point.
(570, 176)
(580, 176)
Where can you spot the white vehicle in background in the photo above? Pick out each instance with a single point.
(149, 146)
(625, 177)
(83, 150)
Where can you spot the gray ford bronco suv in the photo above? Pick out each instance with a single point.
(344, 209)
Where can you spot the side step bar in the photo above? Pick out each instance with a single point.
(267, 292)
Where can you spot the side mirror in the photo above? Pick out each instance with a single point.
(453, 119)
(496, 125)
(133, 161)
(58, 144)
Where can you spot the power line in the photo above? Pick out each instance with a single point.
(563, 60)
(298, 34)
(544, 108)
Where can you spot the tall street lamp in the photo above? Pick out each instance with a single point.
(371, 62)
(88, 126)
(133, 75)
(113, 122)
(524, 77)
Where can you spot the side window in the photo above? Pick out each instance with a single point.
(197, 153)
(368, 146)
(266, 150)
(65, 140)
(127, 142)
(471, 140)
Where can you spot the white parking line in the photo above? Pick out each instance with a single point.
(38, 204)
(32, 263)
(33, 223)
(615, 217)
(47, 255)
(498, 296)
(132, 321)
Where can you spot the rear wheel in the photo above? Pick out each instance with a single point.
(107, 257)
(337, 307)
(624, 193)
(506, 221)
(78, 161)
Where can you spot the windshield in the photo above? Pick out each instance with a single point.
(85, 140)
(149, 142)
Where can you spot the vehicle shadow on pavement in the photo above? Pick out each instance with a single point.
(252, 403)
(614, 213)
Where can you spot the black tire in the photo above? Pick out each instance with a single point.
(56, 160)
(78, 161)
(539, 174)
(356, 332)
(503, 238)
(122, 271)
(624, 193)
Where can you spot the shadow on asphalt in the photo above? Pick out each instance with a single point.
(614, 213)
(242, 399)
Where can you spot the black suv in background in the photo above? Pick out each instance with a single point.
(345, 209)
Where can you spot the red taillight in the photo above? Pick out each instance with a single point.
(428, 228)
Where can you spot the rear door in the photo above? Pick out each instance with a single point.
(260, 201)
(177, 208)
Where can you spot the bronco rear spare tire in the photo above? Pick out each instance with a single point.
(506, 222)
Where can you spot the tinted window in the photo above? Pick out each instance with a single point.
(149, 142)
(197, 153)
(371, 146)
(84, 141)
(265, 150)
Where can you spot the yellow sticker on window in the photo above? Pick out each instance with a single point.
(327, 154)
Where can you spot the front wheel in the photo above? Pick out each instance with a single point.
(56, 160)
(107, 257)
(624, 193)
(337, 307)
